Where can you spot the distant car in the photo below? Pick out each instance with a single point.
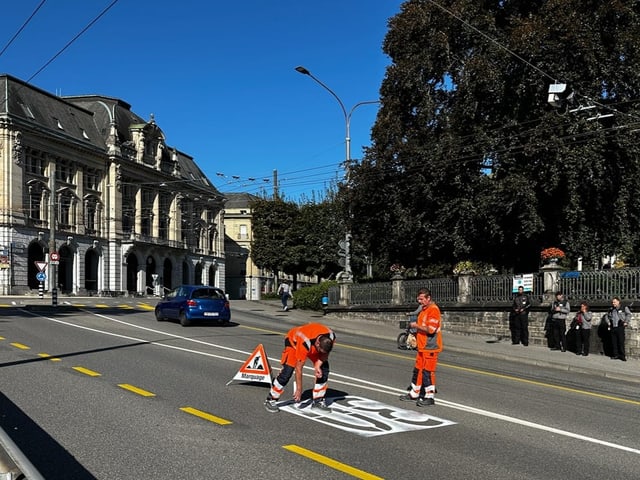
(194, 303)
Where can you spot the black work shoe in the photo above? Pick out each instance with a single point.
(271, 406)
(406, 398)
(423, 402)
(321, 405)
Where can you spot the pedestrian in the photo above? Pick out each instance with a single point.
(285, 292)
(560, 309)
(520, 319)
(619, 319)
(313, 341)
(582, 326)
(429, 345)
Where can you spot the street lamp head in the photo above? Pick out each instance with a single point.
(302, 70)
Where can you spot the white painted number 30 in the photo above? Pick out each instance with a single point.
(368, 418)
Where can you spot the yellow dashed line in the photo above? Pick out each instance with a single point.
(86, 371)
(101, 305)
(126, 307)
(341, 467)
(47, 356)
(20, 346)
(137, 390)
(146, 306)
(206, 416)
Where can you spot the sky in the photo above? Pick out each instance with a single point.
(219, 77)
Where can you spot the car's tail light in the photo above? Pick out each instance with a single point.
(192, 303)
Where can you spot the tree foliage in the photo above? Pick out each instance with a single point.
(294, 239)
(469, 159)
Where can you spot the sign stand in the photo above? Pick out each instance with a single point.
(255, 369)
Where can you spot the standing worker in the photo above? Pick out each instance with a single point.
(429, 345)
(560, 309)
(313, 341)
(619, 318)
(520, 327)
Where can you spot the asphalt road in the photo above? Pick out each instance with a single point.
(110, 393)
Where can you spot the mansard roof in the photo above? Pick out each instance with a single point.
(239, 200)
(26, 104)
(88, 119)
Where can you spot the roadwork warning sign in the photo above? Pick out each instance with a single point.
(255, 369)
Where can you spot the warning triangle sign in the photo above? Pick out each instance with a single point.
(255, 369)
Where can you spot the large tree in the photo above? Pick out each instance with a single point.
(294, 238)
(470, 160)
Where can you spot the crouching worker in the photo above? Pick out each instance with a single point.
(313, 341)
(429, 345)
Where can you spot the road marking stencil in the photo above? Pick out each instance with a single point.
(366, 417)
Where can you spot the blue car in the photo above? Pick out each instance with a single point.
(194, 303)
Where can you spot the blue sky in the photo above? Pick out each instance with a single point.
(219, 76)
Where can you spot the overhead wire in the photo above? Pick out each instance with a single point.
(73, 40)
(33, 14)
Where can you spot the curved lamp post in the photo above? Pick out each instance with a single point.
(348, 274)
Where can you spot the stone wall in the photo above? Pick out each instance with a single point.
(488, 321)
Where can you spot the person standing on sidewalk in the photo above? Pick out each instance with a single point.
(520, 325)
(582, 324)
(429, 344)
(313, 341)
(619, 318)
(560, 309)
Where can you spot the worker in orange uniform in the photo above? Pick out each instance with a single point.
(313, 341)
(429, 345)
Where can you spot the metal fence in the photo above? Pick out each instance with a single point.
(592, 286)
(499, 288)
(446, 290)
(601, 285)
(370, 293)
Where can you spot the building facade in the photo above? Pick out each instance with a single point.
(244, 279)
(94, 201)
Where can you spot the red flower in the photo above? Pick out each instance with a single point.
(551, 252)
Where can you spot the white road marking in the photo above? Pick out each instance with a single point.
(335, 378)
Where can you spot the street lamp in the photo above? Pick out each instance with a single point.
(348, 274)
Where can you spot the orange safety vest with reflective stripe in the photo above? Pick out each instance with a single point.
(302, 339)
(431, 340)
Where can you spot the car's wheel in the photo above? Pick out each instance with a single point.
(184, 321)
(159, 316)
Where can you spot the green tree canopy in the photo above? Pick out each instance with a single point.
(470, 160)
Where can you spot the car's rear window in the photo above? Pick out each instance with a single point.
(207, 293)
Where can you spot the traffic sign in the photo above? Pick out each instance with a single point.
(41, 265)
(54, 256)
(41, 276)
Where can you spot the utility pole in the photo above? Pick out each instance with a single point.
(53, 260)
(345, 245)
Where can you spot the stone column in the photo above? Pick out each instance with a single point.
(397, 289)
(344, 283)
(551, 273)
(464, 288)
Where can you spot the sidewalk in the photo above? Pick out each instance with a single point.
(594, 364)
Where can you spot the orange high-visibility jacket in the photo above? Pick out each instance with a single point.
(431, 340)
(303, 338)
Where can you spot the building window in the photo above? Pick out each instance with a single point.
(91, 179)
(35, 163)
(243, 233)
(65, 171)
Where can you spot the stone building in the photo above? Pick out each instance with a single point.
(244, 279)
(87, 181)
